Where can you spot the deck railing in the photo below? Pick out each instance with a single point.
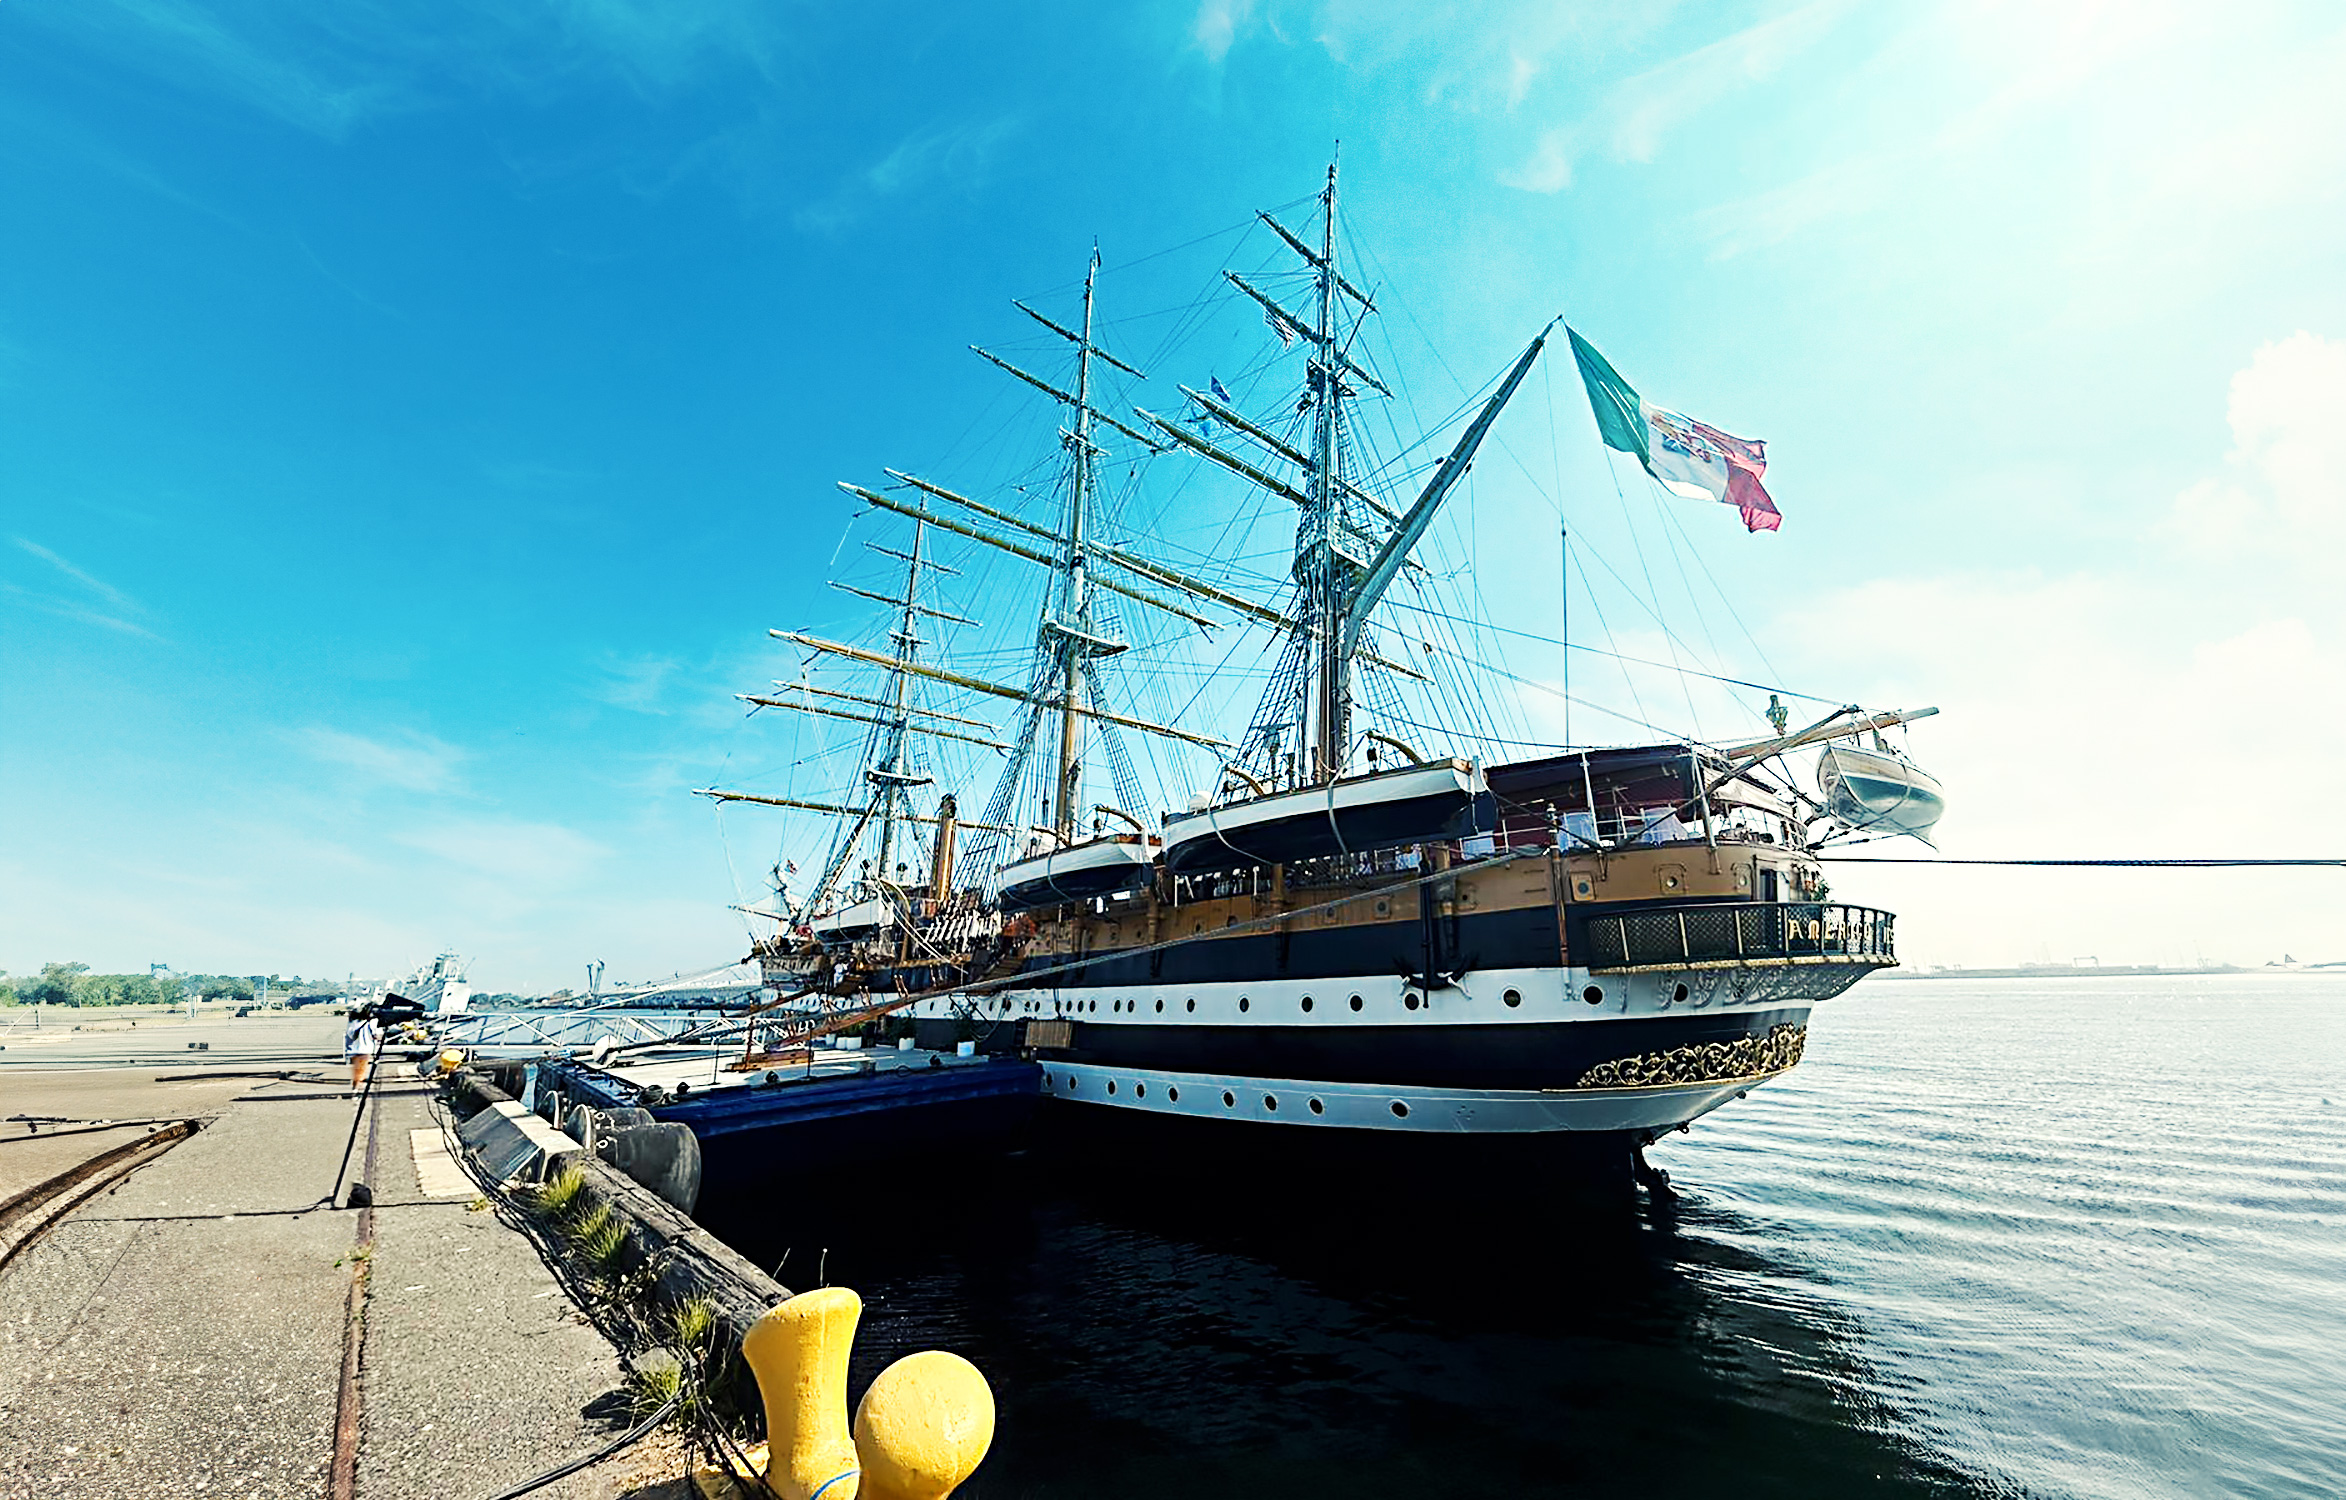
(1740, 932)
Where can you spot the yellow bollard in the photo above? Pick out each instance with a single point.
(923, 1427)
(799, 1354)
(451, 1060)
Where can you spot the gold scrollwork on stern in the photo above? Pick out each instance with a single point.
(1702, 1062)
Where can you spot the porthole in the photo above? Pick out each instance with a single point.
(1047, 1081)
(1513, 998)
(1356, 1002)
(1140, 1091)
(1173, 1094)
(1229, 1100)
(1410, 1000)
(1317, 1108)
(1111, 1088)
(1243, 1004)
(1160, 1007)
(1307, 1002)
(1594, 995)
(1271, 1102)
(1680, 994)
(1192, 1005)
(1400, 1110)
(1071, 1083)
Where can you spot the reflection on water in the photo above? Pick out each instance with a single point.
(1951, 1256)
(1165, 1336)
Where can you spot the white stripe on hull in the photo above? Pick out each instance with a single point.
(1368, 1106)
(1543, 996)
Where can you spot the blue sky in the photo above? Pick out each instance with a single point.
(411, 424)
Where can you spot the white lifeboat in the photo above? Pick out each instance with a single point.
(1079, 872)
(1442, 799)
(1879, 790)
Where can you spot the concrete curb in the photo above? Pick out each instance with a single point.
(685, 1260)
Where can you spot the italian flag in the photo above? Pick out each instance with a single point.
(1684, 456)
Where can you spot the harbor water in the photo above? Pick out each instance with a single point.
(2064, 1237)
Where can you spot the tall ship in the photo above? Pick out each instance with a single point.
(1257, 847)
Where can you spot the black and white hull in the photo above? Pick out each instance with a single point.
(1465, 1026)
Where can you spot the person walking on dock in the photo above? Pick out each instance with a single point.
(361, 1040)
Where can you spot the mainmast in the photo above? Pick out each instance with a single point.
(1328, 747)
(1074, 591)
(1350, 545)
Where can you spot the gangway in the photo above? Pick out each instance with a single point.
(531, 1033)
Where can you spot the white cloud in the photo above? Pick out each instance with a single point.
(418, 763)
(534, 856)
(1548, 169)
(110, 606)
(953, 155)
(2283, 494)
(1217, 26)
(106, 591)
(636, 682)
(328, 70)
(1646, 108)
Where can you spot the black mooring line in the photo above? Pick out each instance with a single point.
(2114, 864)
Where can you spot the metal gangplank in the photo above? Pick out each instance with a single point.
(533, 1033)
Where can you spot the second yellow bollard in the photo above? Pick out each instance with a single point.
(923, 1427)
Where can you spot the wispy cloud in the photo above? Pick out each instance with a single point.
(958, 154)
(102, 589)
(100, 604)
(255, 63)
(1641, 112)
(66, 609)
(329, 70)
(1217, 26)
(418, 763)
(1549, 167)
(532, 854)
(636, 682)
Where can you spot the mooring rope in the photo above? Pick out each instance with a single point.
(2108, 864)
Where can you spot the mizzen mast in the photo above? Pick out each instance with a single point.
(893, 718)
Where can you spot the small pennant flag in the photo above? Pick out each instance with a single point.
(1279, 327)
(1214, 382)
(1685, 457)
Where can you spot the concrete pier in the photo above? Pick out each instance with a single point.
(204, 1326)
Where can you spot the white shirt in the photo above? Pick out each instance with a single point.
(362, 1037)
